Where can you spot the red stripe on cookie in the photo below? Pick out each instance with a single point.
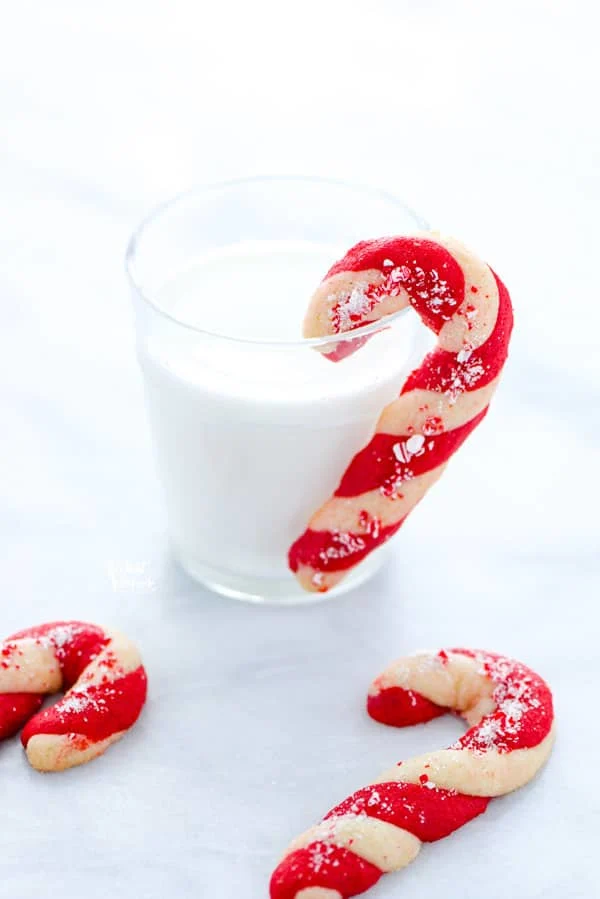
(389, 459)
(329, 551)
(427, 271)
(398, 707)
(429, 814)
(322, 865)
(456, 373)
(96, 712)
(15, 709)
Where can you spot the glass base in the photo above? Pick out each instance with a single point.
(275, 591)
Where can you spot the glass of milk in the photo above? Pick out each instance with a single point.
(252, 425)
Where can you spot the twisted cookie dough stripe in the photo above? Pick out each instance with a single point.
(105, 682)
(381, 827)
(459, 298)
(507, 704)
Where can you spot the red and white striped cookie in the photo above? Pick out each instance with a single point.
(381, 827)
(459, 298)
(105, 685)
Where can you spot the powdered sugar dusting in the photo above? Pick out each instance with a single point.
(489, 732)
(63, 634)
(350, 308)
(523, 702)
(464, 354)
(85, 703)
(464, 378)
(343, 545)
(404, 451)
(424, 287)
(79, 702)
(59, 636)
(322, 855)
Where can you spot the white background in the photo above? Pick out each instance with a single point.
(484, 118)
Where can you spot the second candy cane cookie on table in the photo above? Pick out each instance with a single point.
(380, 828)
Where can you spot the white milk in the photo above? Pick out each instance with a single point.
(251, 438)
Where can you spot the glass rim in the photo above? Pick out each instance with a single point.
(311, 342)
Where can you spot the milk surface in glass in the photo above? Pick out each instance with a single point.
(253, 428)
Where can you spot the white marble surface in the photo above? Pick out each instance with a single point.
(483, 118)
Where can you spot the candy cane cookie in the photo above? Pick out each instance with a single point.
(459, 298)
(381, 827)
(105, 685)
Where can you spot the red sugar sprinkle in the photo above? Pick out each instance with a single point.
(433, 425)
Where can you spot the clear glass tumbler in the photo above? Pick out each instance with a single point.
(253, 425)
